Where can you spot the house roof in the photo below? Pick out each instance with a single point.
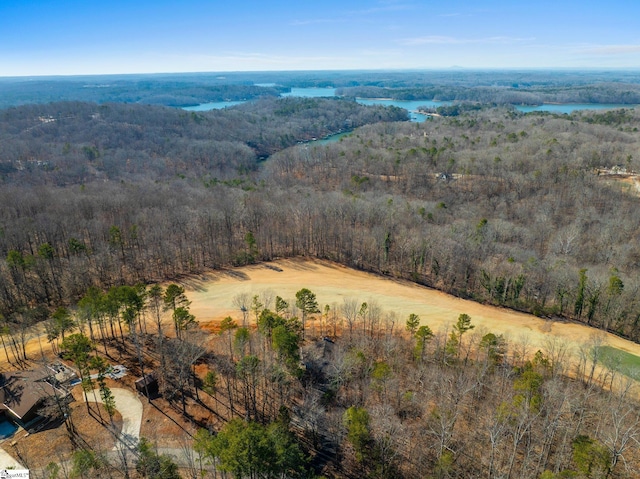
(22, 391)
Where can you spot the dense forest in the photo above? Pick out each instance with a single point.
(413, 403)
(503, 87)
(66, 143)
(514, 94)
(349, 390)
(148, 90)
(535, 212)
(497, 206)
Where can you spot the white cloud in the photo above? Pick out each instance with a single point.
(611, 49)
(444, 40)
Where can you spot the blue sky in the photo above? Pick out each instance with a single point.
(66, 37)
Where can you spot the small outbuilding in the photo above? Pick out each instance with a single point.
(147, 385)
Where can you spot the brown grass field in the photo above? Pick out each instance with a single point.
(212, 296)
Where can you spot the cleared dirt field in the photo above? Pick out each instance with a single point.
(212, 299)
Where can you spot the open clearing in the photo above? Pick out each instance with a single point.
(212, 297)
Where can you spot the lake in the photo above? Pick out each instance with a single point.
(315, 92)
(216, 105)
(311, 92)
(411, 105)
(330, 139)
(570, 107)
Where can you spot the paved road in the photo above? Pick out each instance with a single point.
(130, 408)
(8, 462)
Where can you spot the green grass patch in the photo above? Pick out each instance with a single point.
(627, 363)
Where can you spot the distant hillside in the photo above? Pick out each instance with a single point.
(72, 142)
(184, 89)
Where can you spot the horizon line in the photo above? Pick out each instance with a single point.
(451, 69)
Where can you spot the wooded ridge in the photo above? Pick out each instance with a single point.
(536, 212)
(497, 206)
(510, 86)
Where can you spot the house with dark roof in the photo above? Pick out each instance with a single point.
(22, 393)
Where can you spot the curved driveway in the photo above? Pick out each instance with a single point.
(130, 408)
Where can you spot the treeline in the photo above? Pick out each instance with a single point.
(303, 388)
(185, 89)
(70, 143)
(496, 206)
(149, 90)
(501, 207)
(392, 399)
(514, 94)
(460, 403)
